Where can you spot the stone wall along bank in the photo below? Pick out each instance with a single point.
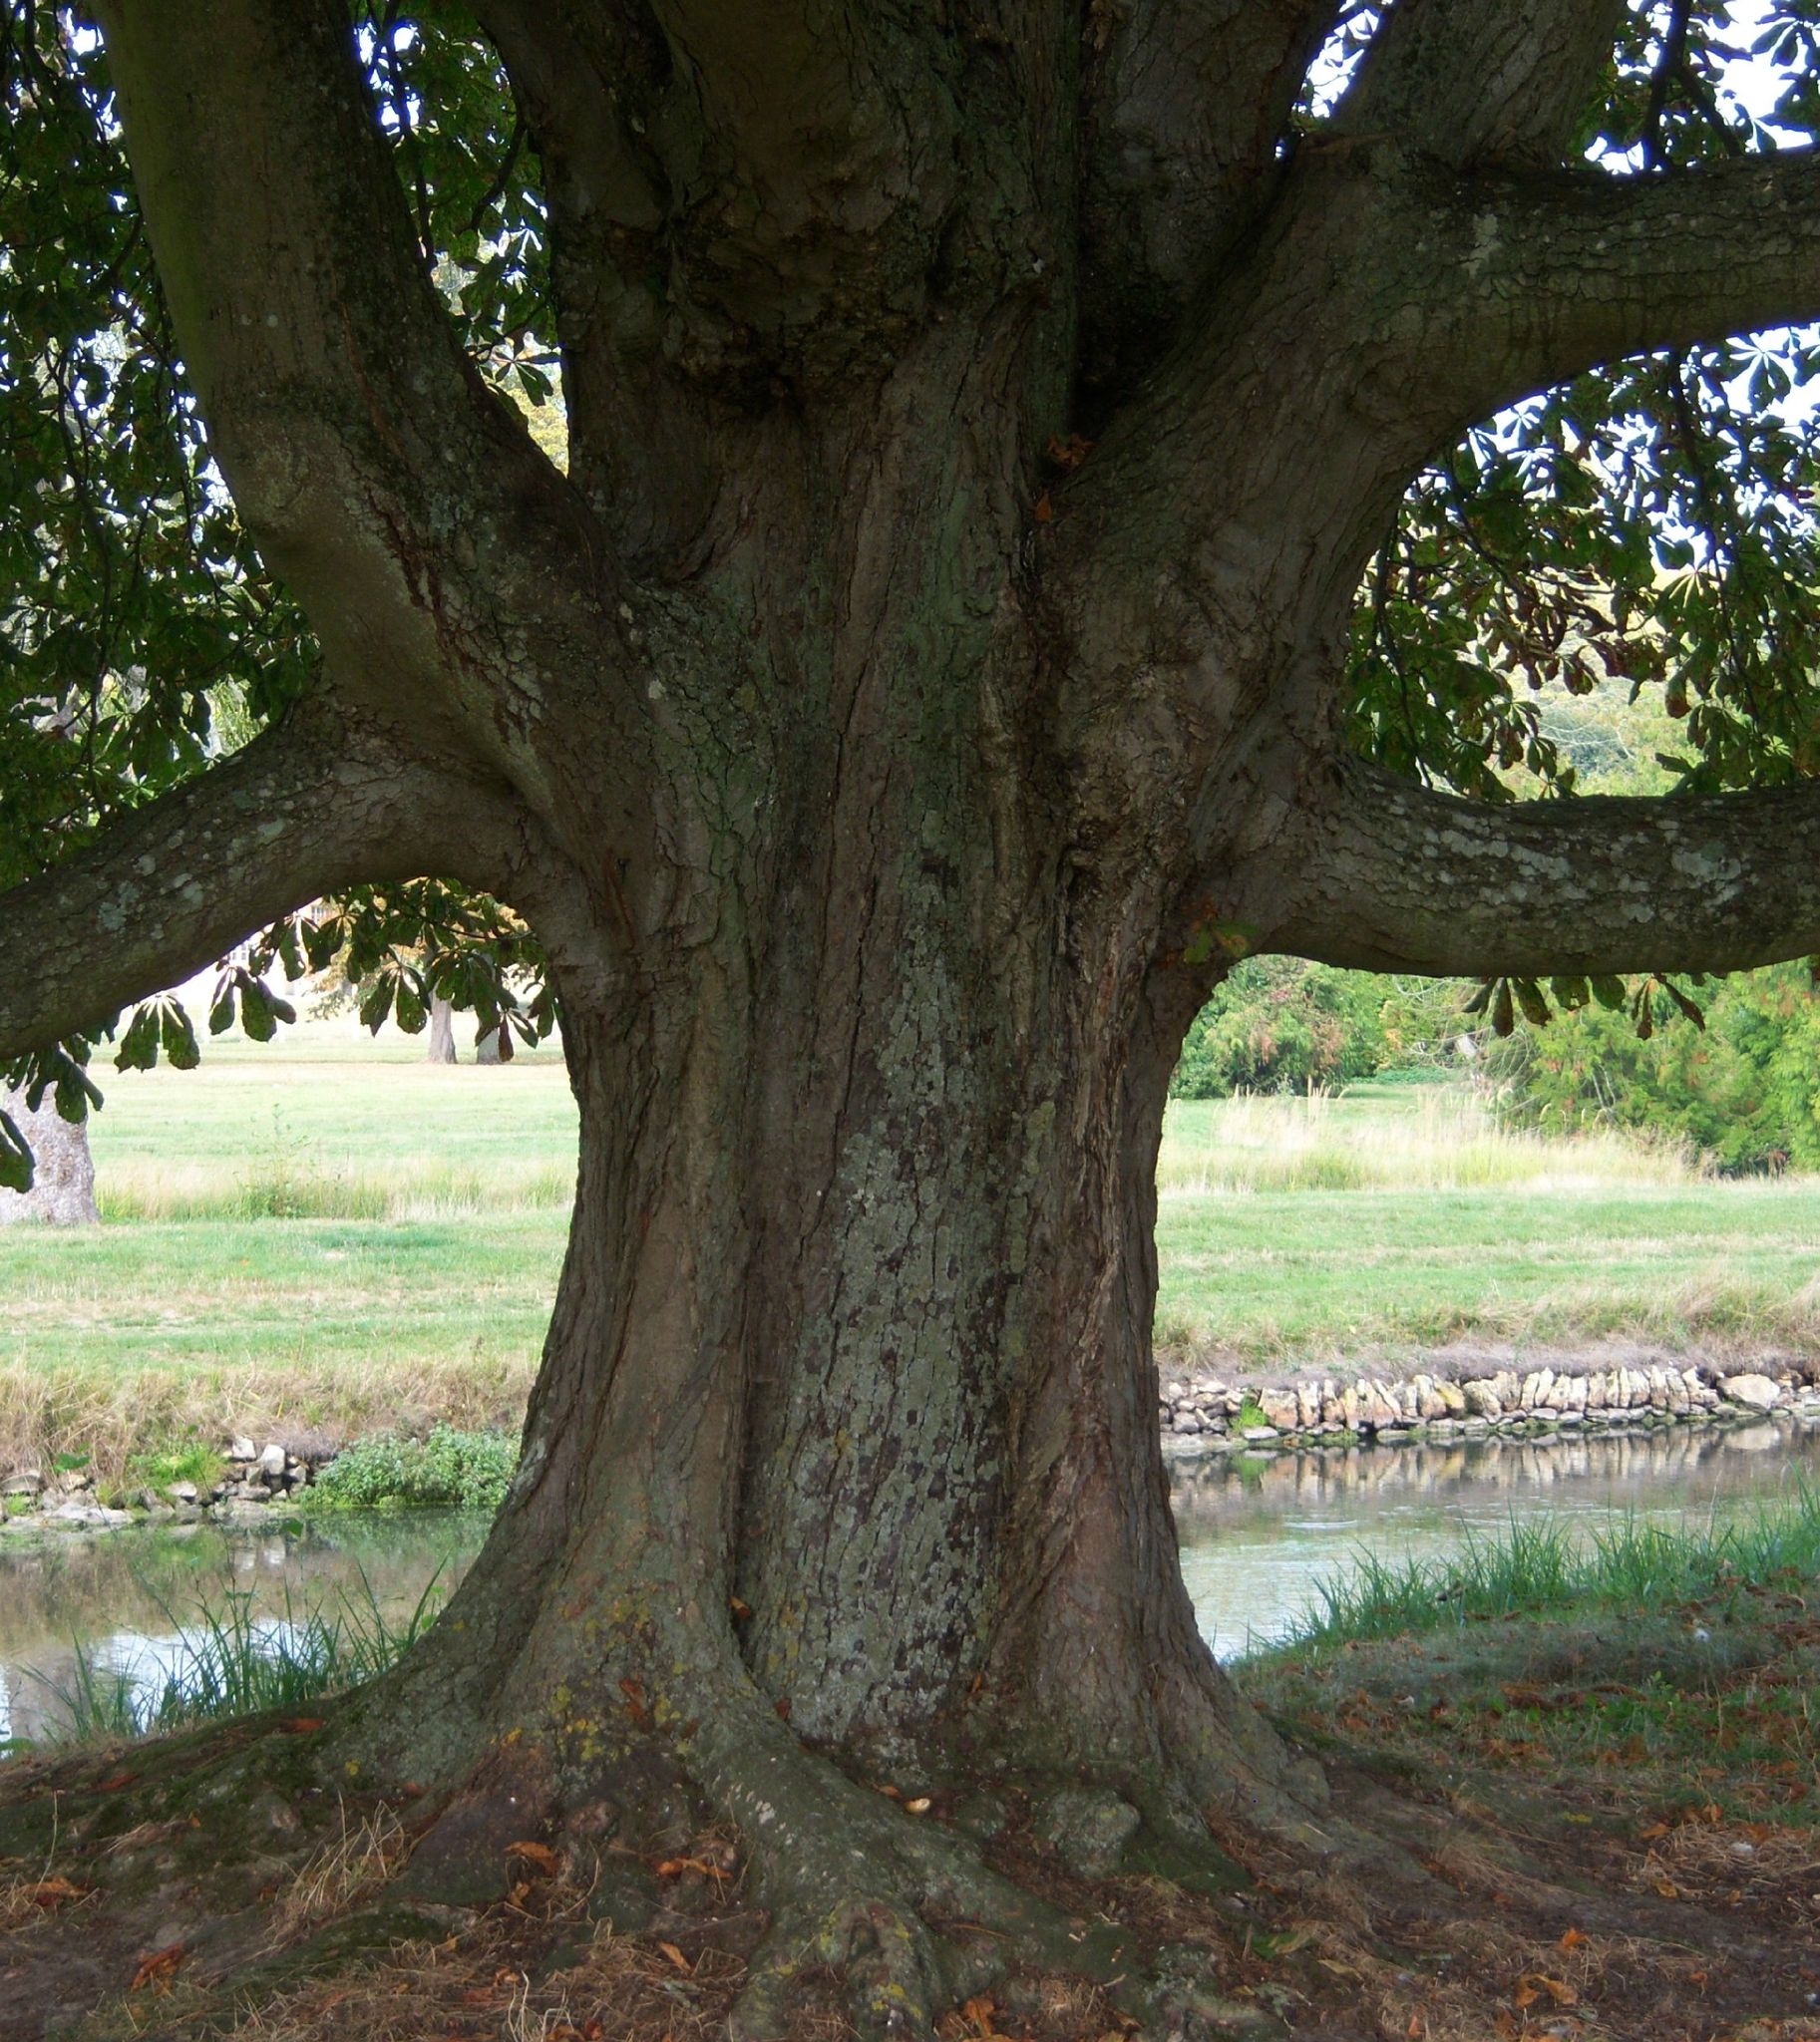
(1203, 1413)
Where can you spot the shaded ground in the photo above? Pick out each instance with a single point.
(1606, 1829)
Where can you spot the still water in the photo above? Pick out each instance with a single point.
(1258, 1537)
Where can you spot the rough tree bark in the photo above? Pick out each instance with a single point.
(888, 797)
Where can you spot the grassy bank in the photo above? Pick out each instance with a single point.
(332, 1237)
(1657, 1683)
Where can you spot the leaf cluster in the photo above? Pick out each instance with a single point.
(1648, 526)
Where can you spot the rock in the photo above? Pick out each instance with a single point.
(1254, 1432)
(235, 1510)
(1308, 1402)
(271, 1461)
(72, 1480)
(181, 1491)
(1453, 1400)
(1376, 1407)
(1482, 1400)
(241, 1448)
(22, 1482)
(86, 1515)
(1088, 1828)
(1280, 1409)
(1753, 1391)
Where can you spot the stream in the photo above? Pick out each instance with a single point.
(1260, 1535)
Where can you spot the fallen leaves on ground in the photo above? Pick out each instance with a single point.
(157, 1968)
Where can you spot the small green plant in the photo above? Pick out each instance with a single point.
(190, 1461)
(468, 1471)
(285, 1180)
(70, 1464)
(1250, 1413)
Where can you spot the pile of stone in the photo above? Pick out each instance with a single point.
(1209, 1414)
(256, 1477)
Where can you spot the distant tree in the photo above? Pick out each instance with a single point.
(441, 1048)
(1278, 1024)
(63, 1184)
(1742, 1089)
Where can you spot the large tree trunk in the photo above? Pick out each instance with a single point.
(843, 1461)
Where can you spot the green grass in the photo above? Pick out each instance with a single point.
(332, 1234)
(1539, 1569)
(1314, 1273)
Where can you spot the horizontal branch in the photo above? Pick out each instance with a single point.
(171, 887)
(1396, 877)
(1552, 275)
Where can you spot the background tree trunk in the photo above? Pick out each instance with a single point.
(442, 1033)
(63, 1181)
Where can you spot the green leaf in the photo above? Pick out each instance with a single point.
(1608, 991)
(322, 939)
(1571, 993)
(15, 1155)
(376, 1002)
(258, 1017)
(178, 1037)
(409, 1011)
(1503, 1019)
(1530, 999)
(138, 1049)
(74, 1091)
(220, 1011)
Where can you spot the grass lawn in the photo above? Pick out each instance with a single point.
(333, 1230)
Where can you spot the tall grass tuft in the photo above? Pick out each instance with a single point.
(1438, 1138)
(229, 1661)
(1539, 1569)
(413, 1188)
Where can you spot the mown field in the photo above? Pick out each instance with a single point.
(333, 1230)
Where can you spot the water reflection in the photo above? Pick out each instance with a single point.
(126, 1597)
(1260, 1533)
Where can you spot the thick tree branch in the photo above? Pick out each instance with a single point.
(445, 565)
(637, 448)
(171, 887)
(1395, 877)
(1183, 105)
(1478, 80)
(1553, 275)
